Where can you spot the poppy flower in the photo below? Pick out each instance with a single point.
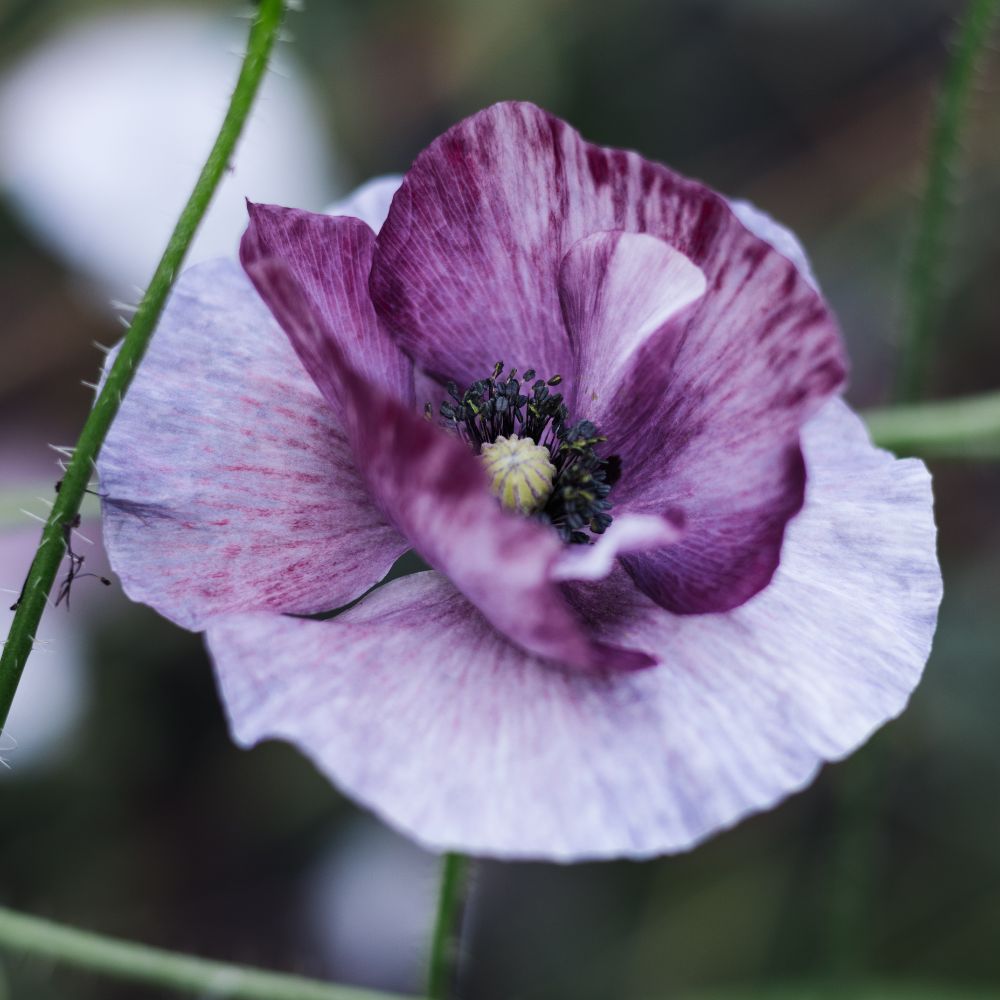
(670, 575)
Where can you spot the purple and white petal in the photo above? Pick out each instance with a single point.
(324, 262)
(621, 295)
(227, 482)
(466, 272)
(734, 555)
(369, 202)
(466, 266)
(412, 704)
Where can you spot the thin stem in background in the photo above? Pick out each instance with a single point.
(923, 280)
(222, 981)
(52, 547)
(155, 966)
(967, 428)
(442, 962)
(856, 849)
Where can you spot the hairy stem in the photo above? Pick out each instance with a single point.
(923, 279)
(855, 850)
(442, 962)
(154, 966)
(52, 547)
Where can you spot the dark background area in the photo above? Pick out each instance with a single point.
(142, 819)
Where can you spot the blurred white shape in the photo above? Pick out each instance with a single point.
(369, 907)
(370, 202)
(104, 127)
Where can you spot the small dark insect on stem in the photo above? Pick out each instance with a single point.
(93, 493)
(76, 560)
(75, 565)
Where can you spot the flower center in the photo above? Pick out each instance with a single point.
(539, 463)
(521, 473)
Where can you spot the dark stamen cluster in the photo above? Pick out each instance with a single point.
(499, 406)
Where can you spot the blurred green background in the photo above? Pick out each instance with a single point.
(127, 810)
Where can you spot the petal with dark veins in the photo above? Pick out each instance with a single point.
(466, 272)
(227, 482)
(329, 258)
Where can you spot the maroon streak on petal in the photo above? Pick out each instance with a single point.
(227, 480)
(466, 266)
(329, 259)
(753, 556)
(415, 706)
(466, 272)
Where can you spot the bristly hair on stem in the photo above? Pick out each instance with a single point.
(52, 548)
(923, 285)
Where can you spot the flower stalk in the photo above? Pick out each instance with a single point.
(965, 428)
(442, 964)
(923, 279)
(957, 429)
(52, 547)
(157, 967)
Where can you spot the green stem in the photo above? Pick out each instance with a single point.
(444, 953)
(923, 284)
(966, 428)
(155, 966)
(945, 427)
(52, 547)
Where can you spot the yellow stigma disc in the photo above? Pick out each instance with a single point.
(520, 471)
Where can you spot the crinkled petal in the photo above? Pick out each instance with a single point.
(329, 258)
(227, 482)
(370, 202)
(466, 272)
(413, 705)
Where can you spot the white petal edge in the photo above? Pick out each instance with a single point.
(780, 237)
